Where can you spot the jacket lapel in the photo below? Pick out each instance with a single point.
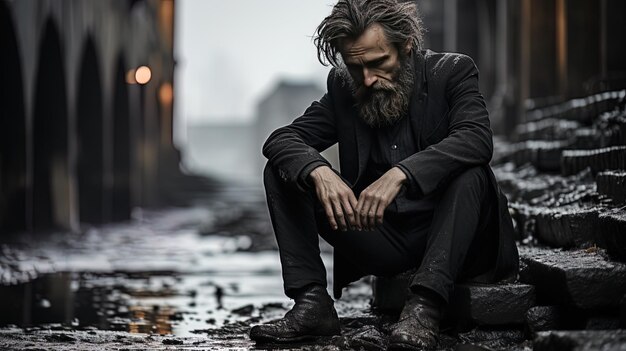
(417, 106)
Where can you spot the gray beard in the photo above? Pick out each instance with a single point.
(384, 103)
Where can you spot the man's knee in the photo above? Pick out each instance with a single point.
(474, 179)
(271, 180)
(268, 174)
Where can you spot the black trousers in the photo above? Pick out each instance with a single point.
(444, 244)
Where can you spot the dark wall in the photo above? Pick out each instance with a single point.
(12, 130)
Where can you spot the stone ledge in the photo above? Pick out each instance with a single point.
(470, 304)
(496, 304)
(580, 340)
(613, 185)
(582, 279)
(574, 161)
(611, 233)
(567, 226)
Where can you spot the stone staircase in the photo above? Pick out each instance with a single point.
(565, 177)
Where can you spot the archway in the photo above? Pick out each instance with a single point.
(50, 192)
(89, 122)
(121, 145)
(12, 130)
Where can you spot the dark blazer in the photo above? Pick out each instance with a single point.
(451, 127)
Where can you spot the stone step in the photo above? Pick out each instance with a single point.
(567, 227)
(583, 279)
(611, 233)
(583, 110)
(580, 340)
(491, 304)
(543, 318)
(470, 304)
(547, 129)
(613, 185)
(609, 158)
(543, 154)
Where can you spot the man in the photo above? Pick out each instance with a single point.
(415, 189)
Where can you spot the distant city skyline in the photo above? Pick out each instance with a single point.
(230, 54)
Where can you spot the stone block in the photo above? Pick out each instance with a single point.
(542, 318)
(609, 158)
(546, 129)
(470, 304)
(545, 155)
(484, 339)
(611, 233)
(602, 323)
(491, 304)
(586, 280)
(580, 340)
(613, 185)
(567, 227)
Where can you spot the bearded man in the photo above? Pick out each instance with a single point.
(415, 189)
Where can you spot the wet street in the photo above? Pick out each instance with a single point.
(197, 276)
(177, 278)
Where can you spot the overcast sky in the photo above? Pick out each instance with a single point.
(230, 53)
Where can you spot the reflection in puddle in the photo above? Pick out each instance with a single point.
(158, 276)
(176, 303)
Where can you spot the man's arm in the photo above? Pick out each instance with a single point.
(294, 150)
(469, 141)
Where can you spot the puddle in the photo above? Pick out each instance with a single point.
(158, 275)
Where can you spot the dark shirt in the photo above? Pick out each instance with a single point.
(390, 145)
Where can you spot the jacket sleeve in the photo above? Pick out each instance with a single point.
(294, 150)
(469, 139)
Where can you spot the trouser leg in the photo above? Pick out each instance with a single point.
(293, 219)
(440, 240)
(297, 218)
(459, 221)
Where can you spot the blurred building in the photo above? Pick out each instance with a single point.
(80, 140)
(281, 106)
(226, 151)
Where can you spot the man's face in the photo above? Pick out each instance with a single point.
(381, 77)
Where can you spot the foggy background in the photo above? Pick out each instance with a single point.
(230, 56)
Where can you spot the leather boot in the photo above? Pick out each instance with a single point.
(418, 326)
(312, 316)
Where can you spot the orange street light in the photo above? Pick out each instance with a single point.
(130, 76)
(143, 75)
(166, 93)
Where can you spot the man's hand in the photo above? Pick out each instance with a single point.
(336, 197)
(375, 198)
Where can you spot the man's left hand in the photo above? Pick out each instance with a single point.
(375, 198)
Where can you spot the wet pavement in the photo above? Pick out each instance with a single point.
(196, 277)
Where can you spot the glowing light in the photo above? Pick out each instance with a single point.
(166, 93)
(143, 75)
(130, 77)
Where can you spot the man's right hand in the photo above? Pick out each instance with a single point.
(336, 197)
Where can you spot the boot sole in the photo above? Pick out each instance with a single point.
(267, 339)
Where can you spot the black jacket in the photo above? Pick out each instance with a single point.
(450, 124)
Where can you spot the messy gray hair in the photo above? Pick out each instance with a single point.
(350, 18)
